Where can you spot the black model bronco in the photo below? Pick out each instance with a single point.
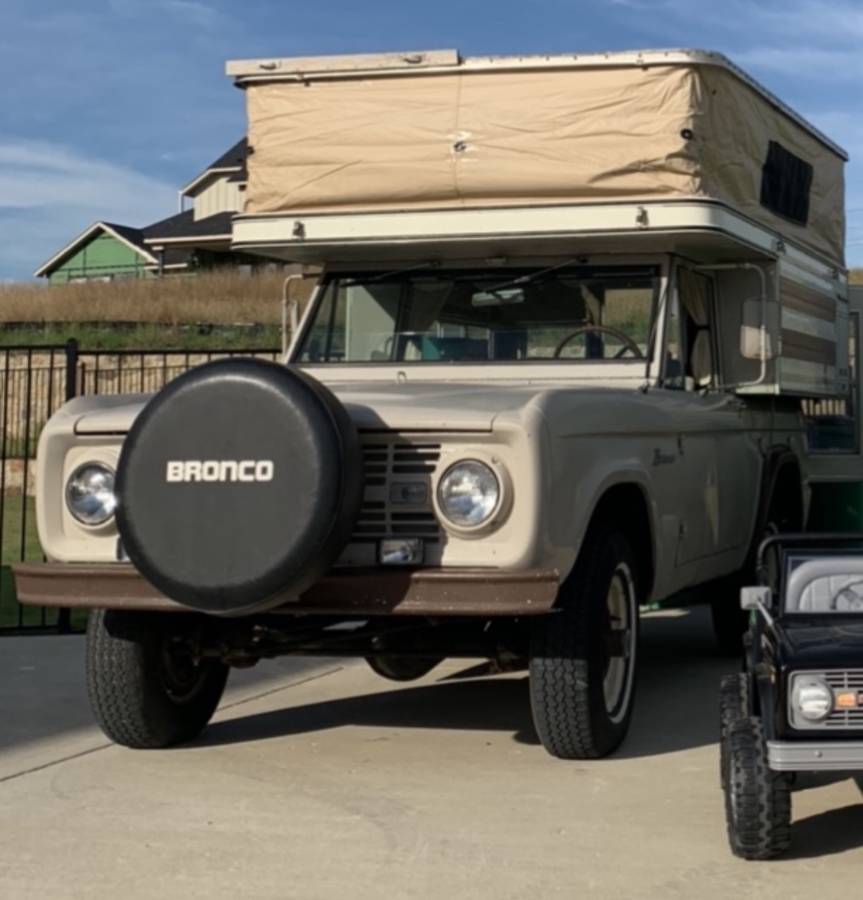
(798, 705)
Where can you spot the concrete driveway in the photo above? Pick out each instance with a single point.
(317, 779)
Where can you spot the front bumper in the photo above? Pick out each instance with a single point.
(815, 756)
(363, 592)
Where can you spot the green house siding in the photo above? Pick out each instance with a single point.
(102, 257)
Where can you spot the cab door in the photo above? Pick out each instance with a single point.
(718, 462)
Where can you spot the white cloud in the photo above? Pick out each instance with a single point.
(49, 193)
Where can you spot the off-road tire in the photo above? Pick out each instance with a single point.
(757, 800)
(402, 668)
(733, 705)
(129, 683)
(567, 659)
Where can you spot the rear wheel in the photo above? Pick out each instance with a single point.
(146, 688)
(583, 656)
(757, 800)
(402, 668)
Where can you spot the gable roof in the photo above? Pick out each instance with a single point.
(232, 160)
(184, 227)
(133, 238)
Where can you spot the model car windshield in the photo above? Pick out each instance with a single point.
(569, 314)
(824, 583)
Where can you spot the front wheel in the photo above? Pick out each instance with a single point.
(757, 800)
(147, 690)
(583, 655)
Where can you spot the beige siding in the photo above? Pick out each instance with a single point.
(219, 196)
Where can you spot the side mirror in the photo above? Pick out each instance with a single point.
(754, 598)
(757, 599)
(758, 316)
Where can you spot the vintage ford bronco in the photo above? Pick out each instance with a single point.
(552, 371)
(796, 711)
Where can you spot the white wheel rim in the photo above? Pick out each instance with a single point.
(618, 678)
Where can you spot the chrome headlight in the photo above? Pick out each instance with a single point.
(469, 493)
(811, 698)
(90, 493)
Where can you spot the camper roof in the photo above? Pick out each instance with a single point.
(427, 62)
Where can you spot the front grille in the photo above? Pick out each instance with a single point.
(851, 680)
(397, 500)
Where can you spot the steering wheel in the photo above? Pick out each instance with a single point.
(847, 593)
(625, 339)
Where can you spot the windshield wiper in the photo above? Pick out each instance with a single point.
(434, 264)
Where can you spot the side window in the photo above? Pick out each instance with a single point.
(672, 357)
(689, 358)
(831, 423)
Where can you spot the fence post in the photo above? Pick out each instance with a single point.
(71, 368)
(64, 615)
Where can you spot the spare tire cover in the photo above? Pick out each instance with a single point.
(237, 485)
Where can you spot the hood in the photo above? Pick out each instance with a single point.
(418, 406)
(830, 643)
(426, 406)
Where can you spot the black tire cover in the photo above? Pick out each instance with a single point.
(237, 485)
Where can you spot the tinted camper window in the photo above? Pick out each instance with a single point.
(785, 183)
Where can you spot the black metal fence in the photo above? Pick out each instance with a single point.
(35, 381)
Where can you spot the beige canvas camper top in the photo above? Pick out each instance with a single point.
(433, 131)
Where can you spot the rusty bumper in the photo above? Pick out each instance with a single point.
(366, 592)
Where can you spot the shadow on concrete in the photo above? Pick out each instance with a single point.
(43, 693)
(676, 707)
(827, 833)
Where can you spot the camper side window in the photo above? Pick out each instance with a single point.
(688, 360)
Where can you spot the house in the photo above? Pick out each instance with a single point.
(197, 237)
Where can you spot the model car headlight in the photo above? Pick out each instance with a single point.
(811, 698)
(90, 493)
(469, 493)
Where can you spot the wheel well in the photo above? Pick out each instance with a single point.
(626, 506)
(782, 491)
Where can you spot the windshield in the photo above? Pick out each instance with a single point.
(825, 582)
(569, 314)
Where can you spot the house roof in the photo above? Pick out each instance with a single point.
(232, 160)
(183, 227)
(131, 237)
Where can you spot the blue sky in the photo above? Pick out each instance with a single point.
(108, 106)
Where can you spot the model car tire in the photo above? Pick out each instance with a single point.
(238, 486)
(146, 689)
(757, 800)
(575, 650)
(733, 705)
(403, 668)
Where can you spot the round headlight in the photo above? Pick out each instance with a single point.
(90, 494)
(468, 494)
(812, 699)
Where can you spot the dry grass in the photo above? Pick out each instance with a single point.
(216, 298)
